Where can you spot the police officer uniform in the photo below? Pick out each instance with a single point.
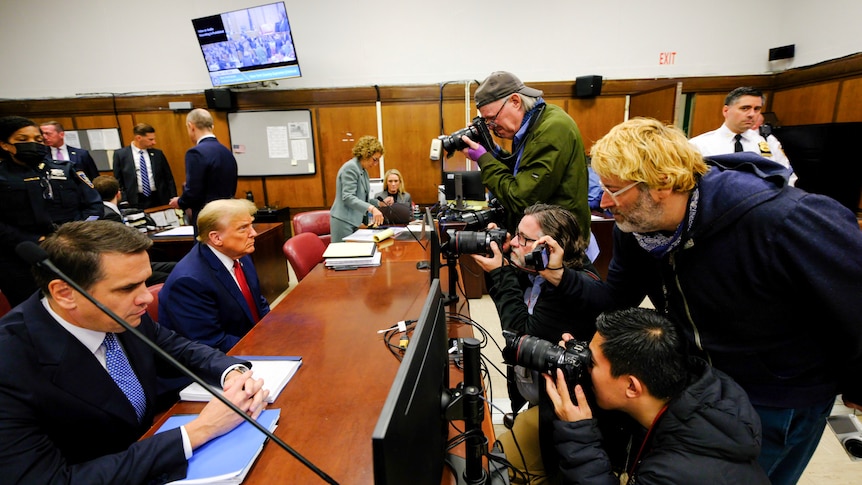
(34, 202)
(722, 141)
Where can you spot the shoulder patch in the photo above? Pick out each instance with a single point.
(84, 178)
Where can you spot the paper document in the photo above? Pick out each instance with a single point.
(364, 262)
(349, 250)
(276, 372)
(228, 458)
(177, 231)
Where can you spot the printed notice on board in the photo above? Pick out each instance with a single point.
(277, 142)
(105, 139)
(299, 130)
(300, 149)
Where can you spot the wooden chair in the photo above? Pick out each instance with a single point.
(304, 251)
(153, 307)
(316, 222)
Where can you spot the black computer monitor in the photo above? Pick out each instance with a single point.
(471, 187)
(409, 440)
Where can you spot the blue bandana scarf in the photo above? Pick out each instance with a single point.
(659, 245)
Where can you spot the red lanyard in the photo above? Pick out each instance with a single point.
(646, 441)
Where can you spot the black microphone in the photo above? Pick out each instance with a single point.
(408, 229)
(36, 256)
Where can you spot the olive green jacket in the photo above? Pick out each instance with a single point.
(553, 170)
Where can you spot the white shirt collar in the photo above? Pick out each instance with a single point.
(92, 339)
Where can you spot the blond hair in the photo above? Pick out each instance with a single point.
(646, 150)
(217, 214)
(394, 171)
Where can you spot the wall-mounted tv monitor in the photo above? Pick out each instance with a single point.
(248, 46)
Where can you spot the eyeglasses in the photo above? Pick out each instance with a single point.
(492, 122)
(616, 194)
(375, 159)
(47, 191)
(525, 241)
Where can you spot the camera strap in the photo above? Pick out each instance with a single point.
(535, 115)
(647, 443)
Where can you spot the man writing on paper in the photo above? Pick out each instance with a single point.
(77, 391)
(213, 294)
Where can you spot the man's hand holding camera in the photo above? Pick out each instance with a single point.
(553, 272)
(497, 258)
(473, 150)
(558, 391)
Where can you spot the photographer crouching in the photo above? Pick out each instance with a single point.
(527, 304)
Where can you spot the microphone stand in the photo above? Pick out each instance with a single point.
(30, 251)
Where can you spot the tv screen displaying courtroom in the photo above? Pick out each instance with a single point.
(248, 46)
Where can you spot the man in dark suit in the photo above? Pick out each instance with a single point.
(55, 138)
(203, 298)
(144, 190)
(211, 170)
(109, 189)
(74, 403)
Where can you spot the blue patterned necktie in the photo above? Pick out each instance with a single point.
(145, 177)
(121, 372)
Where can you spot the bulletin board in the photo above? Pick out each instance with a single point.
(101, 144)
(272, 142)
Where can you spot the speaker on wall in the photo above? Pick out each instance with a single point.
(222, 99)
(588, 86)
(783, 52)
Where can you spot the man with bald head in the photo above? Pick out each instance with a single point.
(211, 170)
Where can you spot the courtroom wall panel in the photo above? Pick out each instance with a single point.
(658, 103)
(596, 116)
(706, 115)
(338, 129)
(806, 105)
(408, 129)
(849, 101)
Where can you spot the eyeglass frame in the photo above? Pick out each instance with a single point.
(492, 122)
(525, 241)
(616, 194)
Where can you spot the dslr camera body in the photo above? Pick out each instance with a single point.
(476, 131)
(459, 240)
(537, 259)
(546, 357)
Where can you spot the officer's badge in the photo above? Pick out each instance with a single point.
(764, 149)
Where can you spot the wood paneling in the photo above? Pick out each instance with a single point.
(411, 118)
(658, 103)
(407, 133)
(596, 116)
(851, 90)
(338, 129)
(706, 115)
(806, 105)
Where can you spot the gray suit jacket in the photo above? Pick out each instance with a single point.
(352, 199)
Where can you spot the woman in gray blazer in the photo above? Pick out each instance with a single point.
(352, 198)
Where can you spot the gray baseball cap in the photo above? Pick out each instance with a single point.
(499, 85)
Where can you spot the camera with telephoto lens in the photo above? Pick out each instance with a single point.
(472, 220)
(537, 259)
(476, 131)
(543, 356)
(469, 242)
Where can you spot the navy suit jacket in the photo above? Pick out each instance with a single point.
(211, 173)
(125, 171)
(62, 417)
(202, 302)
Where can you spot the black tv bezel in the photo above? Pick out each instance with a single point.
(471, 185)
(412, 423)
(261, 73)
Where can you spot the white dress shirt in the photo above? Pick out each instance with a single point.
(722, 141)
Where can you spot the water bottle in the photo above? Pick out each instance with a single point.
(415, 212)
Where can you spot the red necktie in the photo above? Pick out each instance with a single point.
(246, 291)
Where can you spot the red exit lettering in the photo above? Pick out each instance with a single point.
(666, 58)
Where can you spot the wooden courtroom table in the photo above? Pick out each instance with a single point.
(269, 260)
(330, 407)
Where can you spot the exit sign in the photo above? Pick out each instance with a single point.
(665, 58)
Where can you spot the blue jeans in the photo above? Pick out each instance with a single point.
(790, 437)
